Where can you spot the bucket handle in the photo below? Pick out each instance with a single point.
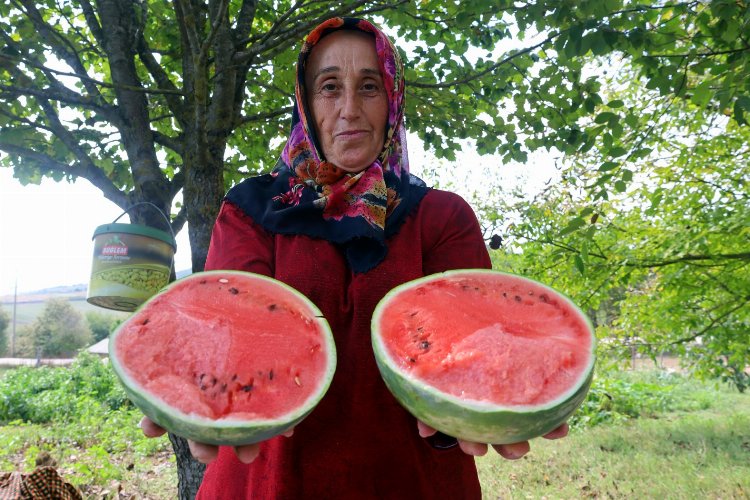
(169, 224)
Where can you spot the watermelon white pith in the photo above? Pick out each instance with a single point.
(225, 357)
(484, 356)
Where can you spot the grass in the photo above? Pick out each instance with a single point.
(692, 440)
(700, 449)
(100, 457)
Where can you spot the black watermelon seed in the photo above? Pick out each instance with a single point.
(145, 321)
(517, 298)
(203, 282)
(270, 375)
(425, 344)
(412, 360)
(272, 307)
(247, 388)
(234, 377)
(234, 291)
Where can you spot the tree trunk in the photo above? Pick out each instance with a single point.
(189, 470)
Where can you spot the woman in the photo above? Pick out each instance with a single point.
(341, 219)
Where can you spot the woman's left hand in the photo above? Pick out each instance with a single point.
(510, 451)
(207, 453)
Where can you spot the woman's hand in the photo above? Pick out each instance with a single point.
(207, 453)
(510, 451)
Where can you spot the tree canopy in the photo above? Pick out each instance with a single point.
(148, 100)
(59, 331)
(649, 219)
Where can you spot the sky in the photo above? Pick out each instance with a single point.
(46, 230)
(46, 233)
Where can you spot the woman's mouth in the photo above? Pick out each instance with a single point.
(351, 134)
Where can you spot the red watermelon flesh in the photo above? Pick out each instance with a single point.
(222, 347)
(506, 340)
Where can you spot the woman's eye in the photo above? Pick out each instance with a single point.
(370, 87)
(328, 87)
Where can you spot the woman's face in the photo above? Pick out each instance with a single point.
(347, 99)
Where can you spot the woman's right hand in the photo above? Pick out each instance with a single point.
(206, 453)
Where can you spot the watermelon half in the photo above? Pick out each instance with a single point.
(484, 356)
(225, 357)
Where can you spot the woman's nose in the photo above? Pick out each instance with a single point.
(351, 104)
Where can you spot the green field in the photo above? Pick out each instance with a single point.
(699, 454)
(26, 312)
(661, 435)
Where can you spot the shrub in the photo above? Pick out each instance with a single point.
(44, 394)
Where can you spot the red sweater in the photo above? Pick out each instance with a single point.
(358, 443)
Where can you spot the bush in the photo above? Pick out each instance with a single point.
(615, 397)
(45, 394)
(60, 330)
(101, 324)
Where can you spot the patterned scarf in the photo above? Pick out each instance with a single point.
(304, 194)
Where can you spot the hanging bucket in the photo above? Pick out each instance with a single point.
(131, 263)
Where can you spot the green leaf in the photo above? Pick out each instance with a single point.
(608, 165)
(605, 117)
(741, 105)
(573, 224)
(701, 94)
(584, 253)
(620, 186)
(578, 261)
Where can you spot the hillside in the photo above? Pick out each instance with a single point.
(30, 304)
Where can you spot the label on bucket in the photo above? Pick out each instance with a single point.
(127, 269)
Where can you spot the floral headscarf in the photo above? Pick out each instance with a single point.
(305, 194)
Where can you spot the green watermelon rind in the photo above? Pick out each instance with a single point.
(224, 431)
(471, 420)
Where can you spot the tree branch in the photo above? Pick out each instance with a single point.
(179, 220)
(61, 46)
(711, 324)
(221, 14)
(693, 258)
(92, 21)
(86, 78)
(175, 96)
(265, 116)
(173, 143)
(244, 22)
(300, 26)
(710, 53)
(484, 72)
(95, 175)
(186, 19)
